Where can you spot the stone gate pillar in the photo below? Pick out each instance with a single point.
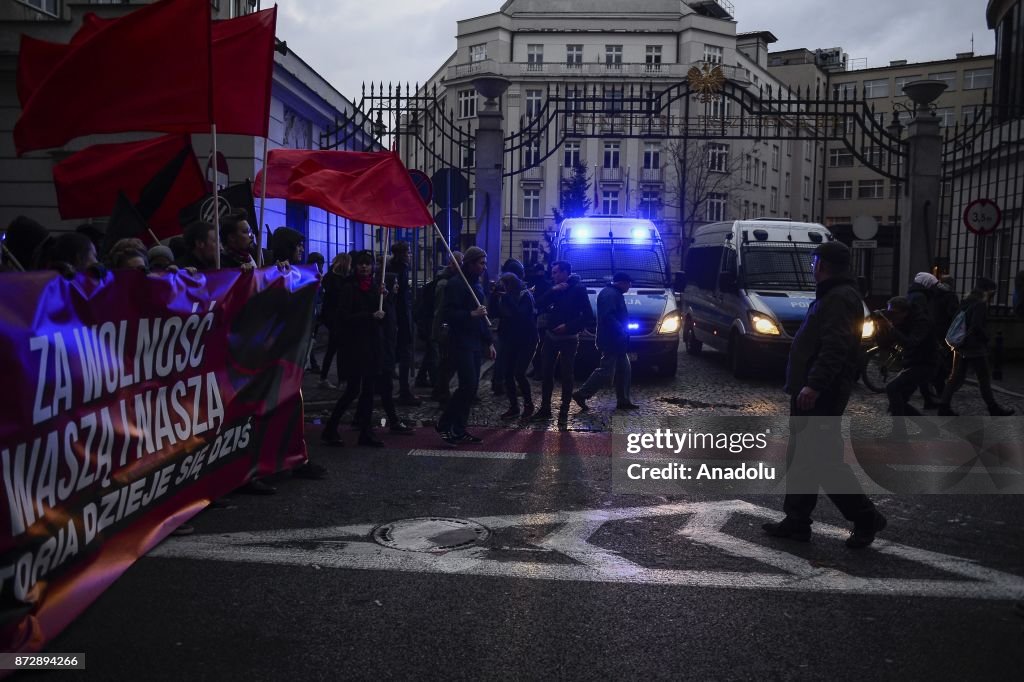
(490, 153)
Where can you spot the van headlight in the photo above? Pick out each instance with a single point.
(869, 329)
(669, 324)
(764, 325)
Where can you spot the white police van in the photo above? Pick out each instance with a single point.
(748, 285)
(597, 248)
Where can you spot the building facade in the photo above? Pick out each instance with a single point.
(304, 107)
(611, 50)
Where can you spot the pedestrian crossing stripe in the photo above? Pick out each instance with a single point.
(467, 454)
(350, 547)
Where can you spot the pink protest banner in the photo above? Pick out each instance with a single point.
(129, 402)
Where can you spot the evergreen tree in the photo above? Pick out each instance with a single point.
(575, 199)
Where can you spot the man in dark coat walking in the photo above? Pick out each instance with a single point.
(822, 368)
(613, 342)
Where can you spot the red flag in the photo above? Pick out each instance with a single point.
(369, 187)
(243, 69)
(88, 182)
(148, 70)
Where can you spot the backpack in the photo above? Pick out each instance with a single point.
(957, 332)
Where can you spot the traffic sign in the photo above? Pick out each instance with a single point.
(865, 227)
(982, 216)
(451, 187)
(865, 243)
(218, 172)
(423, 185)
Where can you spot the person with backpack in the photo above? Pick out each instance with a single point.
(969, 341)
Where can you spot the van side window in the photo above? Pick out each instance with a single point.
(702, 265)
(729, 261)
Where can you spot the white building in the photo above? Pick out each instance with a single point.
(616, 49)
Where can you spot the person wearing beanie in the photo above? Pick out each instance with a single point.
(613, 342)
(823, 364)
(161, 259)
(469, 338)
(973, 352)
(495, 310)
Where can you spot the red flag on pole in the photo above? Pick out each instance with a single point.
(368, 187)
(88, 182)
(148, 70)
(37, 58)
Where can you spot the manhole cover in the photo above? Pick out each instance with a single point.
(430, 534)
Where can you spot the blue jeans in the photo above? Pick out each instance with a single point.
(456, 413)
(612, 364)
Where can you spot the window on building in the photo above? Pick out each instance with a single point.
(721, 108)
(534, 100)
(611, 154)
(774, 199)
(844, 91)
(878, 87)
(613, 55)
(653, 58)
(977, 78)
(871, 189)
(467, 103)
(947, 116)
(764, 173)
(775, 157)
(48, 6)
(572, 154)
(746, 210)
(650, 204)
(807, 188)
(874, 156)
(535, 56)
(748, 168)
(900, 81)
(652, 155)
(469, 207)
(808, 150)
(837, 220)
(840, 157)
(531, 154)
(574, 99)
(716, 206)
(610, 202)
(469, 157)
(789, 147)
(787, 186)
(573, 54)
(718, 157)
(840, 190)
(947, 77)
(477, 53)
(531, 251)
(971, 113)
(713, 54)
(614, 99)
(531, 203)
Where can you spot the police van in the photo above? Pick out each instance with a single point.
(597, 248)
(747, 287)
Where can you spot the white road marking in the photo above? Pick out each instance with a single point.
(467, 454)
(597, 564)
(977, 469)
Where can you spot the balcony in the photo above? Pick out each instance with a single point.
(527, 224)
(651, 175)
(460, 72)
(535, 174)
(611, 175)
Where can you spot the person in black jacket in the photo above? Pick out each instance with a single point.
(909, 326)
(469, 337)
(494, 311)
(360, 355)
(517, 336)
(613, 342)
(399, 266)
(564, 311)
(331, 286)
(973, 352)
(822, 368)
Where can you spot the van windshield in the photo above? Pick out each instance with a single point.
(779, 265)
(596, 263)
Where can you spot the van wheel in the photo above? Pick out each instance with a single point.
(693, 346)
(739, 363)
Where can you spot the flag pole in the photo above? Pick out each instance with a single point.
(263, 205)
(216, 200)
(458, 268)
(384, 268)
(13, 259)
(156, 240)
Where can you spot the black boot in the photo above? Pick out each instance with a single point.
(997, 410)
(367, 439)
(511, 413)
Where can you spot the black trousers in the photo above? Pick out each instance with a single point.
(902, 386)
(517, 361)
(815, 460)
(563, 352)
(361, 387)
(333, 338)
(959, 372)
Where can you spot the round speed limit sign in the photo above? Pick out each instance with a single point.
(982, 216)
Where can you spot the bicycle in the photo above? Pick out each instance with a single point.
(880, 364)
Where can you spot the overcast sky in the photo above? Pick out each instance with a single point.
(352, 41)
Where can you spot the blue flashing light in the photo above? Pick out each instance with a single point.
(641, 234)
(633, 326)
(581, 234)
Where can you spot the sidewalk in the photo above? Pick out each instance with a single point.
(1011, 384)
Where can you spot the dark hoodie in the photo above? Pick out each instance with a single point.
(570, 307)
(826, 350)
